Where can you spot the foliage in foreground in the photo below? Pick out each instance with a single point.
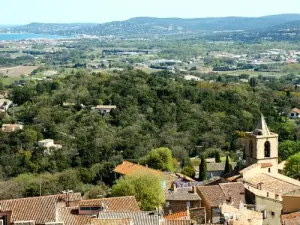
(147, 189)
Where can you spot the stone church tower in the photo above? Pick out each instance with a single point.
(262, 146)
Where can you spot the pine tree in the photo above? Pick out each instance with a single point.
(228, 166)
(217, 157)
(202, 169)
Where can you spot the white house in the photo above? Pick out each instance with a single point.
(7, 128)
(49, 143)
(104, 108)
(294, 113)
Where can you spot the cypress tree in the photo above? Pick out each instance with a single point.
(202, 169)
(217, 157)
(228, 166)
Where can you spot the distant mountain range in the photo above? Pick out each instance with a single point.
(163, 26)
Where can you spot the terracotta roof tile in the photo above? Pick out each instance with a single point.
(291, 219)
(177, 216)
(295, 110)
(176, 222)
(234, 191)
(40, 209)
(213, 195)
(272, 183)
(138, 218)
(69, 216)
(127, 168)
(117, 204)
(218, 194)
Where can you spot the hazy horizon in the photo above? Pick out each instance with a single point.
(101, 11)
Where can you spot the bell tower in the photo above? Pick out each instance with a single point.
(262, 146)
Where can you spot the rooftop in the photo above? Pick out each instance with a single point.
(69, 216)
(177, 215)
(274, 183)
(291, 219)
(42, 209)
(224, 192)
(176, 222)
(138, 218)
(126, 168)
(293, 193)
(116, 204)
(182, 194)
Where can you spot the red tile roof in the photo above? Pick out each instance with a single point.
(176, 222)
(177, 215)
(40, 209)
(296, 110)
(291, 219)
(69, 216)
(127, 168)
(116, 204)
(216, 195)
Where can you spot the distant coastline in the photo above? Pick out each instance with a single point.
(26, 36)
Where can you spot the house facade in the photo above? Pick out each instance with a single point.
(181, 199)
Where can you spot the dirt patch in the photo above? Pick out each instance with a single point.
(17, 71)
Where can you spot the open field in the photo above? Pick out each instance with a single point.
(15, 72)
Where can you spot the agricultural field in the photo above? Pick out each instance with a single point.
(17, 71)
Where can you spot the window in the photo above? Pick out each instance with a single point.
(251, 148)
(292, 114)
(188, 204)
(167, 204)
(267, 149)
(264, 212)
(273, 213)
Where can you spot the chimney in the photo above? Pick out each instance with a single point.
(174, 188)
(194, 189)
(188, 213)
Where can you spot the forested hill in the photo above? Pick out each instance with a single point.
(154, 110)
(150, 25)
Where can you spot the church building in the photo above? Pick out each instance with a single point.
(265, 187)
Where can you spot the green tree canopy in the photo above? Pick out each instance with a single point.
(292, 166)
(228, 166)
(160, 159)
(202, 169)
(147, 189)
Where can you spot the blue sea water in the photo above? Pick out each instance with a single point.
(17, 37)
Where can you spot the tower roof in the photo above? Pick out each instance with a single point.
(262, 127)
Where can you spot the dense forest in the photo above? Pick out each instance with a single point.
(153, 110)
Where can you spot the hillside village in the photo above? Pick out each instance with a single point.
(255, 195)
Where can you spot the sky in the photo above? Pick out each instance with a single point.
(99, 11)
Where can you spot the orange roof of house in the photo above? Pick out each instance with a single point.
(291, 219)
(296, 110)
(69, 216)
(40, 209)
(176, 222)
(177, 215)
(116, 204)
(126, 168)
